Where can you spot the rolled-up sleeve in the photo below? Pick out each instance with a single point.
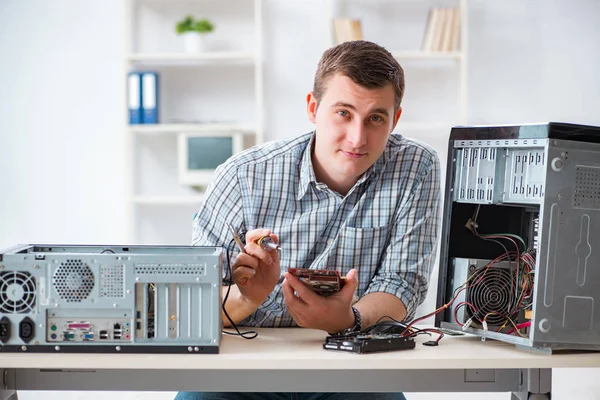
(408, 260)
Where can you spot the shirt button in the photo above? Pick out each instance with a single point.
(329, 241)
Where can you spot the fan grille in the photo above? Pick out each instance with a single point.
(17, 292)
(492, 293)
(73, 281)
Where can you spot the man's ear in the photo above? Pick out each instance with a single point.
(311, 107)
(397, 117)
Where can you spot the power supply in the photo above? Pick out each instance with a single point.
(521, 226)
(129, 299)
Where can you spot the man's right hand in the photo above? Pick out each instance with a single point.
(257, 271)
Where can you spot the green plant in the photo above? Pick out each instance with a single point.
(189, 24)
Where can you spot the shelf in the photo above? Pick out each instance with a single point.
(170, 58)
(158, 200)
(211, 128)
(427, 55)
(415, 126)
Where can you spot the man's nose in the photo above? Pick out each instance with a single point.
(357, 135)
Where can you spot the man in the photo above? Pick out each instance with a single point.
(349, 196)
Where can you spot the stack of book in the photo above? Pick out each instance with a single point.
(443, 30)
(346, 29)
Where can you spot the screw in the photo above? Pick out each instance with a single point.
(57, 348)
(128, 291)
(118, 348)
(196, 349)
(190, 348)
(24, 348)
(115, 305)
(36, 266)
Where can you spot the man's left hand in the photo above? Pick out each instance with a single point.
(310, 310)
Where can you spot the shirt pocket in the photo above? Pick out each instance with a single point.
(360, 248)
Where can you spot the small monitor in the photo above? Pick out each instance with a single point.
(199, 154)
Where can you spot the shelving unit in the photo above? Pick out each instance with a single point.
(176, 128)
(161, 58)
(154, 200)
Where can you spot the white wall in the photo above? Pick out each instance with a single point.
(61, 88)
(61, 122)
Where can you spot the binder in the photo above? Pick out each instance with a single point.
(150, 97)
(134, 98)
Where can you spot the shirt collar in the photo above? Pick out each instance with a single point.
(307, 172)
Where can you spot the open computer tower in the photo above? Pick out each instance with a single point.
(520, 251)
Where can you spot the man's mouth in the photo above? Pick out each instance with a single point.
(353, 155)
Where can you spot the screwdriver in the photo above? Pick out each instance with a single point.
(265, 242)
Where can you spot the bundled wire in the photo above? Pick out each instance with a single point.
(522, 280)
(525, 292)
(229, 282)
(408, 332)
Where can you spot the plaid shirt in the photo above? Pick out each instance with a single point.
(386, 226)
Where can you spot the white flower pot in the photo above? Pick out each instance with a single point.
(193, 42)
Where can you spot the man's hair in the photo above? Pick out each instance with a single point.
(366, 63)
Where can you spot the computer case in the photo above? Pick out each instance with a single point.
(127, 299)
(520, 240)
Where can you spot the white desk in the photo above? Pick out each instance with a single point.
(293, 360)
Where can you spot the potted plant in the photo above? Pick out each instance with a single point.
(193, 32)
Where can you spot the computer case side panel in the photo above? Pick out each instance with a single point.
(565, 313)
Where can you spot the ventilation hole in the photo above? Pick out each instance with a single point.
(73, 281)
(111, 281)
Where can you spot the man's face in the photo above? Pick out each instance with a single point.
(353, 124)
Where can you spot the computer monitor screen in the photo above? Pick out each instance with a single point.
(200, 154)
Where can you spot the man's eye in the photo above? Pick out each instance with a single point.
(343, 113)
(376, 118)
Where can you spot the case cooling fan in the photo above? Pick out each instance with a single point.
(491, 293)
(17, 292)
(73, 281)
